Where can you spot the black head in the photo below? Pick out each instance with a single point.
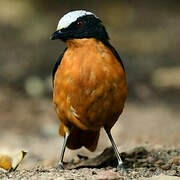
(80, 24)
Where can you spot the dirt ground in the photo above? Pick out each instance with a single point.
(153, 127)
(140, 163)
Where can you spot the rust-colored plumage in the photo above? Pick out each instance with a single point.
(89, 91)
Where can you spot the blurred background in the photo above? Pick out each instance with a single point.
(145, 33)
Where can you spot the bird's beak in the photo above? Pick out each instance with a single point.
(57, 35)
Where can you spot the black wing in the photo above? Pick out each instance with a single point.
(107, 43)
(57, 64)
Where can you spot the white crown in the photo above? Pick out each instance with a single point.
(70, 17)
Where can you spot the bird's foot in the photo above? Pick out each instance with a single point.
(60, 166)
(122, 168)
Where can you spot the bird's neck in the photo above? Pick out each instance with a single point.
(75, 43)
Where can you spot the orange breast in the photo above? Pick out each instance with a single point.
(90, 86)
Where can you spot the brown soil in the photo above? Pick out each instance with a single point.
(139, 163)
(32, 125)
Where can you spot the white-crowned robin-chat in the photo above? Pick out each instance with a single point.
(89, 82)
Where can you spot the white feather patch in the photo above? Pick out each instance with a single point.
(70, 17)
(73, 111)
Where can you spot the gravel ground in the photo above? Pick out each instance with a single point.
(150, 146)
(139, 163)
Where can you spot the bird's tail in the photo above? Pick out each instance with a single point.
(79, 138)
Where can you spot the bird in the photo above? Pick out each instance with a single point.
(89, 83)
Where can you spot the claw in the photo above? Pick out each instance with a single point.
(60, 167)
(121, 167)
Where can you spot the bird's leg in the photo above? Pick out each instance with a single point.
(120, 163)
(60, 163)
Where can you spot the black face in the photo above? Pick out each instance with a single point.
(84, 27)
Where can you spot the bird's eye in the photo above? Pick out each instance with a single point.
(79, 24)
